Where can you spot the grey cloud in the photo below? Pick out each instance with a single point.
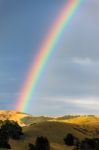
(66, 105)
(71, 79)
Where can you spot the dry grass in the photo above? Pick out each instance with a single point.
(12, 115)
(54, 129)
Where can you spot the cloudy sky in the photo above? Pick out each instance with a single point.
(70, 84)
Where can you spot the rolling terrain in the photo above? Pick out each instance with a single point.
(54, 128)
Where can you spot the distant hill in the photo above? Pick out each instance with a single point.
(23, 119)
(54, 128)
(13, 115)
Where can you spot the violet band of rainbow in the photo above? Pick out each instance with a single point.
(46, 50)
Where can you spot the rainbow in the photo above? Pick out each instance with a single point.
(45, 52)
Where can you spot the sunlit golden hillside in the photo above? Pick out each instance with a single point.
(54, 128)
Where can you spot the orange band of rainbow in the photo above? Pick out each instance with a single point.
(45, 51)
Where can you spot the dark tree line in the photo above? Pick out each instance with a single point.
(86, 144)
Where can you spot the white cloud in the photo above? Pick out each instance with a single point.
(89, 102)
(82, 61)
(92, 103)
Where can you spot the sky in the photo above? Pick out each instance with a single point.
(70, 84)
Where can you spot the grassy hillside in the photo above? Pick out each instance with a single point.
(55, 129)
(55, 132)
(12, 115)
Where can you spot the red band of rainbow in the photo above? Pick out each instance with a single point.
(45, 51)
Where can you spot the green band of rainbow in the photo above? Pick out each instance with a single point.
(46, 50)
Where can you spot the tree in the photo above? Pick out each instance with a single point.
(42, 143)
(4, 139)
(69, 139)
(12, 129)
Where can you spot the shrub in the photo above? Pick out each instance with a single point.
(69, 139)
(31, 146)
(42, 143)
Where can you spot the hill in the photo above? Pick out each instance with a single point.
(13, 115)
(23, 119)
(54, 128)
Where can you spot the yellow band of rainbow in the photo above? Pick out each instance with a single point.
(45, 51)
